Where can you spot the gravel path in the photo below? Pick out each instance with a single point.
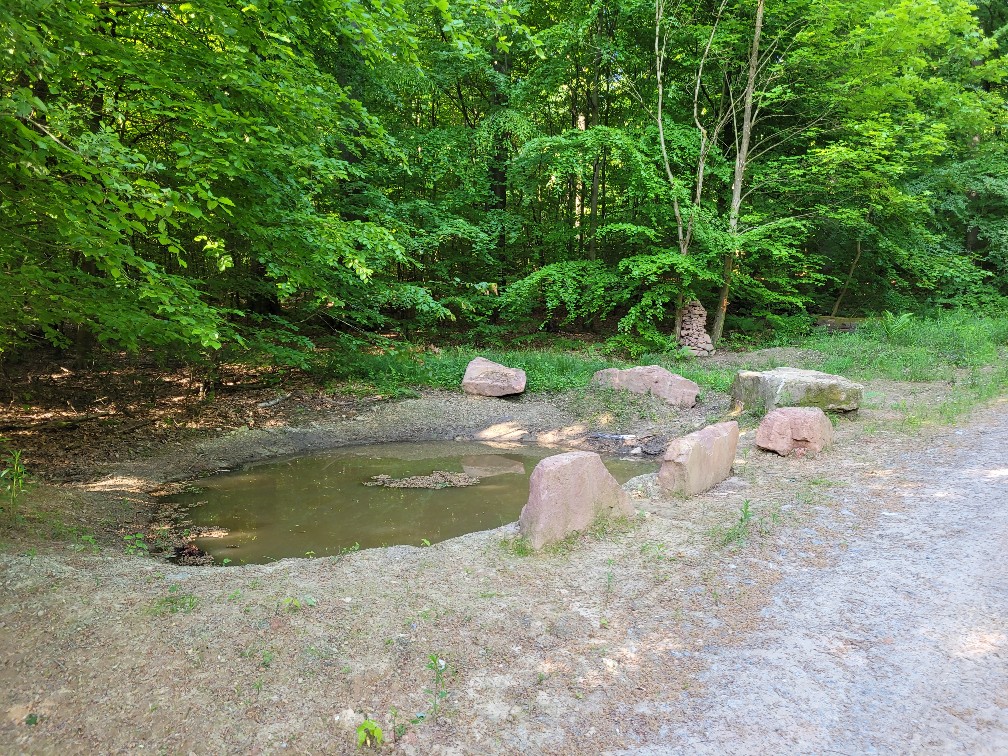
(900, 646)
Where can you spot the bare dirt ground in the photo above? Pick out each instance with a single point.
(818, 624)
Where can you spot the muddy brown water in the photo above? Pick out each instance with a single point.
(318, 505)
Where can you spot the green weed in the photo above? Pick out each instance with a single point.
(438, 690)
(87, 543)
(369, 734)
(174, 603)
(135, 544)
(294, 604)
(739, 531)
(14, 477)
(518, 546)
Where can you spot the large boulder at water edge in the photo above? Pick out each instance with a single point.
(702, 459)
(486, 378)
(652, 379)
(791, 429)
(567, 492)
(791, 387)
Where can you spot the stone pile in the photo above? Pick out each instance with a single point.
(693, 331)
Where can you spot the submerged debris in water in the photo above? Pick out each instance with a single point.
(437, 479)
(191, 554)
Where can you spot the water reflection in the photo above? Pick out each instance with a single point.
(318, 504)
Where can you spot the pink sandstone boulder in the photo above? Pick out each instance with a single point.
(567, 492)
(652, 379)
(702, 459)
(789, 429)
(485, 378)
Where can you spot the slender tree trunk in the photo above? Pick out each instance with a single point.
(593, 218)
(605, 166)
(498, 167)
(580, 216)
(850, 275)
(741, 162)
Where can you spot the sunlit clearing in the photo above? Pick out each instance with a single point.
(561, 434)
(119, 484)
(502, 432)
(979, 643)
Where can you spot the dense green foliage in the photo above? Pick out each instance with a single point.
(187, 176)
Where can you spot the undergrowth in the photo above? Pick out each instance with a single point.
(909, 348)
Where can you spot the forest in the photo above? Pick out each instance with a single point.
(251, 502)
(212, 178)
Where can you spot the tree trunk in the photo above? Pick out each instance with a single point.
(498, 166)
(850, 275)
(593, 208)
(741, 162)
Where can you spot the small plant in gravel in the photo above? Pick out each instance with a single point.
(606, 527)
(349, 550)
(268, 655)
(294, 604)
(656, 554)
(369, 734)
(398, 728)
(14, 476)
(174, 603)
(135, 544)
(518, 546)
(439, 689)
(768, 522)
(739, 532)
(87, 543)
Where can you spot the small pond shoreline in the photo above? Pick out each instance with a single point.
(589, 647)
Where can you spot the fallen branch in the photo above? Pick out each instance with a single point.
(72, 422)
(272, 402)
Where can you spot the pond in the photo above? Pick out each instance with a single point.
(319, 505)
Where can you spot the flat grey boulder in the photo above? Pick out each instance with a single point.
(567, 492)
(650, 379)
(484, 377)
(700, 460)
(791, 387)
(795, 430)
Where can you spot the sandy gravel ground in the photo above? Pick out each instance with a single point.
(899, 646)
(862, 608)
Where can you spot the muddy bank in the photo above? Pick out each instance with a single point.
(577, 419)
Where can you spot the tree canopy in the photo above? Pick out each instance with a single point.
(191, 175)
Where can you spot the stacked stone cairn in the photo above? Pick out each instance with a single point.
(693, 331)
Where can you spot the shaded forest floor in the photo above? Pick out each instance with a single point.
(73, 422)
